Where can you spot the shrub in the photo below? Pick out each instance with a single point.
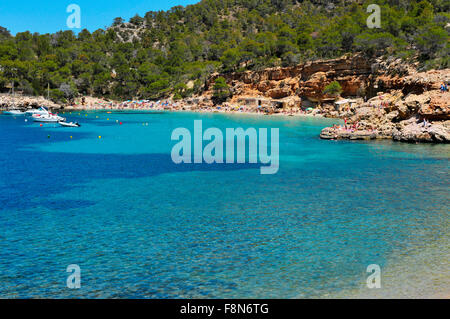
(334, 88)
(221, 91)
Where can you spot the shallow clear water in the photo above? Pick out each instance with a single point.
(140, 226)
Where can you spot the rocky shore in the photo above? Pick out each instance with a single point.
(8, 102)
(412, 118)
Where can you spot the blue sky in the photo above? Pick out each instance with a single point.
(46, 16)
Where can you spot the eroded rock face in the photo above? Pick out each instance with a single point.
(411, 96)
(352, 85)
(432, 105)
(305, 80)
(314, 86)
(265, 86)
(357, 75)
(279, 93)
(437, 107)
(414, 102)
(420, 132)
(9, 102)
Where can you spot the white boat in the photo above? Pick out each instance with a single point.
(14, 112)
(48, 118)
(70, 124)
(40, 111)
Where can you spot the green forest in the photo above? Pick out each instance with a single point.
(172, 53)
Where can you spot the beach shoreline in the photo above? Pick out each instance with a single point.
(88, 103)
(150, 110)
(421, 274)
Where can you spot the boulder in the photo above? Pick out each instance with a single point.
(404, 112)
(265, 86)
(366, 113)
(279, 93)
(414, 102)
(438, 107)
(417, 132)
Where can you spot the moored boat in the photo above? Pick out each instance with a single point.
(41, 111)
(48, 118)
(14, 112)
(70, 124)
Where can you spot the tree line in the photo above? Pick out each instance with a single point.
(172, 53)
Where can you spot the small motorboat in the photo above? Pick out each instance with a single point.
(14, 112)
(70, 124)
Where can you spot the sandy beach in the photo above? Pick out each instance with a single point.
(420, 274)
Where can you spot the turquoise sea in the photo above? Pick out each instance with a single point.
(140, 226)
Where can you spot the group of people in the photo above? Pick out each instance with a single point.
(384, 104)
(347, 127)
(444, 87)
(381, 105)
(146, 104)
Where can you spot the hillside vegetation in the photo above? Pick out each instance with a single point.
(173, 52)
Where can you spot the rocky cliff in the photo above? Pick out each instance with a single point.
(357, 75)
(395, 101)
(305, 80)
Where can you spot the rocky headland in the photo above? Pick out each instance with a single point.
(415, 109)
(384, 99)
